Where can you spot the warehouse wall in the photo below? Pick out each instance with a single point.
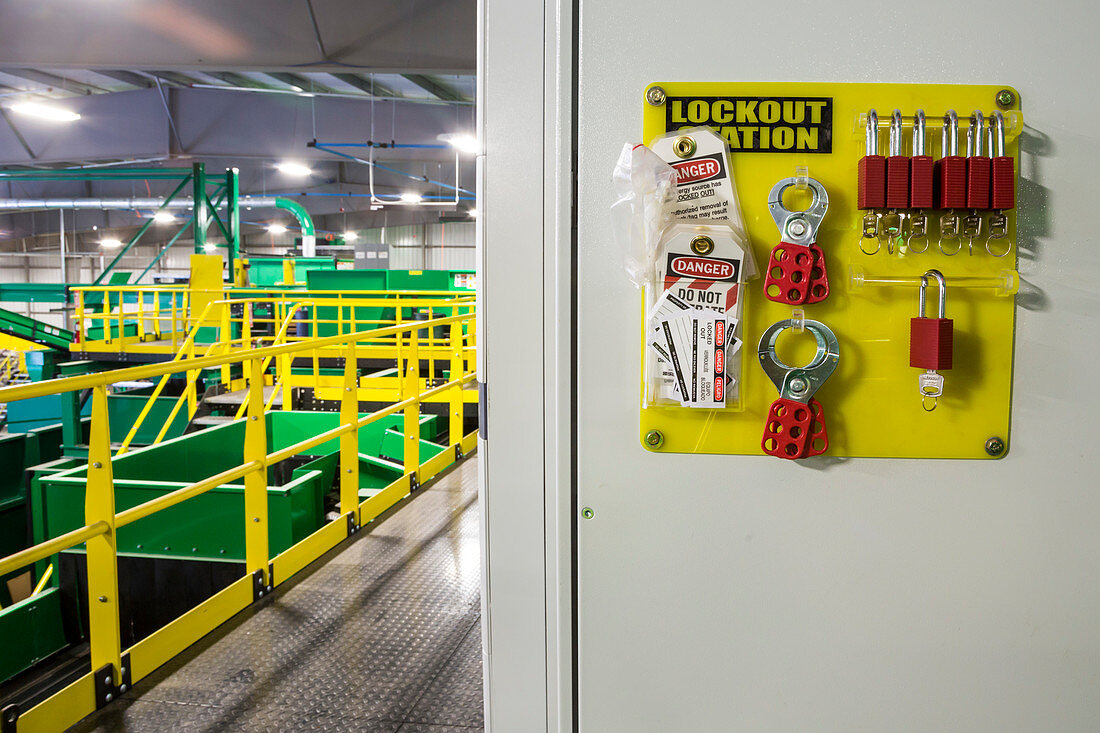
(437, 246)
(42, 264)
(440, 246)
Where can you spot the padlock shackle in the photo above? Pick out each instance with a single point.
(976, 135)
(997, 134)
(941, 281)
(950, 134)
(895, 133)
(872, 133)
(918, 133)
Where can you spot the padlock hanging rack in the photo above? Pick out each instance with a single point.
(1013, 122)
(1003, 284)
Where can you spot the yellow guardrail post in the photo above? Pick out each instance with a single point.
(458, 368)
(349, 442)
(99, 506)
(283, 370)
(226, 337)
(191, 390)
(255, 481)
(412, 411)
(81, 334)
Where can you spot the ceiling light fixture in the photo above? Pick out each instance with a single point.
(164, 217)
(350, 236)
(45, 112)
(411, 198)
(209, 247)
(472, 213)
(461, 141)
(110, 243)
(293, 169)
(276, 229)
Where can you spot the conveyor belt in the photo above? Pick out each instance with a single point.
(385, 635)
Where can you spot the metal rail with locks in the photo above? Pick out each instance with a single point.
(796, 269)
(796, 421)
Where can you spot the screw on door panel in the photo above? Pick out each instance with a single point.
(1006, 98)
(654, 439)
(995, 446)
(655, 96)
(587, 512)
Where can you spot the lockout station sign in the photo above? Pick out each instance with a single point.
(759, 124)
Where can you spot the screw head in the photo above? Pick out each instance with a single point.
(122, 688)
(97, 464)
(995, 446)
(103, 599)
(798, 385)
(655, 96)
(654, 439)
(1005, 98)
(797, 227)
(587, 512)
(109, 697)
(107, 680)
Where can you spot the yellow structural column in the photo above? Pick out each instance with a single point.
(99, 506)
(255, 482)
(412, 412)
(225, 336)
(458, 368)
(284, 377)
(349, 442)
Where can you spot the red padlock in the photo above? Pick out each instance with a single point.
(796, 272)
(871, 170)
(921, 168)
(897, 168)
(978, 166)
(931, 340)
(1003, 179)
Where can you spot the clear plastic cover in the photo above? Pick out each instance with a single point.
(644, 193)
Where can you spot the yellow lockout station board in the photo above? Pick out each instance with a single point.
(872, 404)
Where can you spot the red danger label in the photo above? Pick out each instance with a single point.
(719, 361)
(703, 268)
(719, 388)
(699, 169)
(720, 335)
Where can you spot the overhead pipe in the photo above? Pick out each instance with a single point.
(305, 222)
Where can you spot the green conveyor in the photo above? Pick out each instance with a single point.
(30, 329)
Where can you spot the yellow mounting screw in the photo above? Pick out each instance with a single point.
(654, 439)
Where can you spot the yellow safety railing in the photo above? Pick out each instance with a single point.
(102, 521)
(122, 318)
(346, 313)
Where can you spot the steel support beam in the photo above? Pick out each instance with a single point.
(433, 86)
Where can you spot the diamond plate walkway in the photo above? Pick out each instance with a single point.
(382, 634)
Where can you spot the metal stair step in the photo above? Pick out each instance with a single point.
(213, 420)
(238, 397)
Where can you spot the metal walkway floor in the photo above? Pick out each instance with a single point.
(383, 635)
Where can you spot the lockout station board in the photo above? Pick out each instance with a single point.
(871, 402)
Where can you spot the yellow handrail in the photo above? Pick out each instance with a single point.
(147, 371)
(190, 340)
(103, 521)
(45, 579)
(280, 337)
